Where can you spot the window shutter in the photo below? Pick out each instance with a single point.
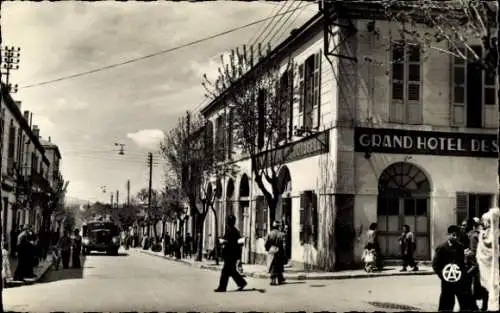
(301, 94)
(462, 206)
(230, 135)
(314, 218)
(317, 91)
(302, 217)
(490, 95)
(396, 103)
(414, 85)
(458, 91)
(291, 100)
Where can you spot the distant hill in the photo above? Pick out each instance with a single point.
(73, 200)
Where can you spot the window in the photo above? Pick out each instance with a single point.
(469, 205)
(308, 218)
(310, 92)
(283, 105)
(260, 217)
(229, 135)
(11, 148)
(474, 95)
(261, 121)
(219, 138)
(406, 83)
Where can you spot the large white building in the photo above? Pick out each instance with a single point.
(399, 135)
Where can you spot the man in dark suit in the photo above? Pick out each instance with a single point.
(449, 265)
(231, 254)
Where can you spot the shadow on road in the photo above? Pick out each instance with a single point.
(249, 290)
(65, 273)
(110, 255)
(293, 282)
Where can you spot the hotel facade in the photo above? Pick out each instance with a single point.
(397, 134)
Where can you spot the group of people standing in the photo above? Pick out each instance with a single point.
(28, 253)
(468, 264)
(69, 248)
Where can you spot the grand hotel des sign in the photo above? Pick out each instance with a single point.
(398, 141)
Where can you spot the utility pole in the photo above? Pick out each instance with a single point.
(117, 198)
(2, 112)
(128, 192)
(10, 60)
(111, 201)
(150, 164)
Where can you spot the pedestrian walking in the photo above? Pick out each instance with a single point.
(471, 265)
(65, 248)
(76, 249)
(230, 254)
(487, 258)
(408, 246)
(449, 265)
(166, 243)
(275, 254)
(372, 243)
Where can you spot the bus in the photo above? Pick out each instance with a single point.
(102, 236)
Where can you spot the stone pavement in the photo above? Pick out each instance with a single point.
(43, 267)
(259, 271)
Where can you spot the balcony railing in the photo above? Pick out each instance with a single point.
(39, 181)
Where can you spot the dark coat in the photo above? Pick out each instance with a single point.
(447, 253)
(231, 250)
(276, 260)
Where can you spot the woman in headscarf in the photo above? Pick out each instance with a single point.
(275, 254)
(487, 257)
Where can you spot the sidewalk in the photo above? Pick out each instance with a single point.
(39, 272)
(259, 271)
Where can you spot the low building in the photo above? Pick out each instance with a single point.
(411, 141)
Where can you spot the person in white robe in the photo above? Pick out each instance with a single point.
(487, 256)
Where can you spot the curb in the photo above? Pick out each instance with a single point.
(294, 276)
(30, 281)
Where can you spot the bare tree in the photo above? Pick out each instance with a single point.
(155, 212)
(189, 151)
(258, 92)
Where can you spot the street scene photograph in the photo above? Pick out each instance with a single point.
(237, 156)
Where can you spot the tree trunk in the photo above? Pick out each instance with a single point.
(155, 232)
(199, 230)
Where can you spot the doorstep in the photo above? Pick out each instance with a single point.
(40, 271)
(259, 271)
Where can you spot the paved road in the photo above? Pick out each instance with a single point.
(139, 282)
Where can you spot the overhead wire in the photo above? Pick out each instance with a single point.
(148, 56)
(278, 31)
(281, 16)
(261, 31)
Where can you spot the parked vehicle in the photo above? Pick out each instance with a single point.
(102, 236)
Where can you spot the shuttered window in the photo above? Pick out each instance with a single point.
(406, 84)
(11, 148)
(291, 101)
(469, 205)
(301, 96)
(308, 218)
(230, 135)
(283, 105)
(474, 95)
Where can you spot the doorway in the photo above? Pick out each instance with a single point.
(403, 200)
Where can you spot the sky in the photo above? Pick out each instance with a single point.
(134, 104)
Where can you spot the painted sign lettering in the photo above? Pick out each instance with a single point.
(425, 142)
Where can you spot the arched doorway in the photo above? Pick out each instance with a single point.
(403, 198)
(284, 208)
(243, 214)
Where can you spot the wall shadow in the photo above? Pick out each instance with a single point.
(65, 273)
